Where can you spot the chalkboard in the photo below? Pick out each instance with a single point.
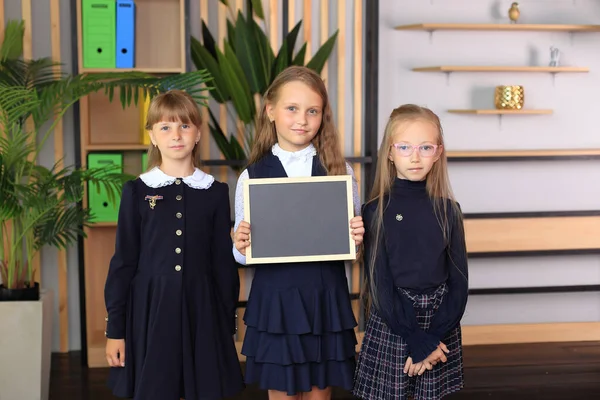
(299, 219)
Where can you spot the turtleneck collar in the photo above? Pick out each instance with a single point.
(404, 185)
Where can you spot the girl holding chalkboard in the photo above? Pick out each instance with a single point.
(416, 267)
(172, 286)
(300, 338)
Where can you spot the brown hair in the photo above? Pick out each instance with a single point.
(173, 105)
(437, 184)
(325, 141)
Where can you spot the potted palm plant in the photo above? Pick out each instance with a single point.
(40, 205)
(243, 71)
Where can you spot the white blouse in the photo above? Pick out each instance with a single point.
(296, 164)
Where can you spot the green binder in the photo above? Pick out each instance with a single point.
(144, 162)
(99, 33)
(99, 204)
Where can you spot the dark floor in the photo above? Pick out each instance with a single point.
(515, 372)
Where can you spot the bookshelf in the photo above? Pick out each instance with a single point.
(106, 128)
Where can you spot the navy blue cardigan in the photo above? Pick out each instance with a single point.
(412, 254)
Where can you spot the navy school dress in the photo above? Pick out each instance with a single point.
(300, 324)
(171, 292)
(422, 287)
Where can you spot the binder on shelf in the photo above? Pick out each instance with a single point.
(99, 204)
(99, 33)
(125, 55)
(144, 105)
(144, 162)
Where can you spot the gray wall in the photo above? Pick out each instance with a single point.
(507, 186)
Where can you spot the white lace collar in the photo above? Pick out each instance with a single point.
(284, 155)
(155, 178)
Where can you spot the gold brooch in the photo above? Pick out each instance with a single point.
(153, 200)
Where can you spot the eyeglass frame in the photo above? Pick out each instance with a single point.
(415, 147)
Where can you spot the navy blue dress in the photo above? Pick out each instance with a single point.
(171, 292)
(300, 324)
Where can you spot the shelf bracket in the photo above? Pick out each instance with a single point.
(553, 74)
(430, 36)
(571, 38)
(447, 73)
(500, 121)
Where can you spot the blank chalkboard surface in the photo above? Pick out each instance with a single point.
(299, 219)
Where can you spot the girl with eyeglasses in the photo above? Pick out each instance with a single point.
(416, 276)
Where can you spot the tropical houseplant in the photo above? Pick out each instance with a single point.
(243, 71)
(39, 205)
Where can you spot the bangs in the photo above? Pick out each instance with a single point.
(173, 108)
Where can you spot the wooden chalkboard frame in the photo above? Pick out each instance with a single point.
(347, 179)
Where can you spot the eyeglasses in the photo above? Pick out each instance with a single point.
(425, 150)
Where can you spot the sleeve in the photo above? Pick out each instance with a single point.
(355, 196)
(239, 213)
(123, 263)
(395, 309)
(224, 268)
(452, 308)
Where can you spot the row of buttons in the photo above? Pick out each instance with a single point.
(178, 232)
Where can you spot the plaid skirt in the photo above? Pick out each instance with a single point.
(379, 374)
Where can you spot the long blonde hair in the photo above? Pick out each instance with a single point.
(437, 185)
(173, 105)
(325, 141)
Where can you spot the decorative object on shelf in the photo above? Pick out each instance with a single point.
(125, 38)
(99, 33)
(244, 70)
(554, 56)
(514, 13)
(509, 97)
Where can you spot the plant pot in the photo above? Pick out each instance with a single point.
(25, 348)
(27, 294)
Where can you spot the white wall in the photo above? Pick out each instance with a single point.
(507, 186)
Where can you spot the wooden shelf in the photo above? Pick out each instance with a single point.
(500, 27)
(156, 50)
(525, 154)
(104, 225)
(116, 147)
(157, 71)
(501, 112)
(491, 68)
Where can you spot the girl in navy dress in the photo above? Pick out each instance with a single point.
(300, 336)
(416, 267)
(173, 285)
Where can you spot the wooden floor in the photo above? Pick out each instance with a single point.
(517, 372)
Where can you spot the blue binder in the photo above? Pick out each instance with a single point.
(125, 34)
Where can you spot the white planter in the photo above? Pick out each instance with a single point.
(25, 348)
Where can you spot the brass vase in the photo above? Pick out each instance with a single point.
(509, 97)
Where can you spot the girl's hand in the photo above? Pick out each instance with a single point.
(416, 369)
(241, 237)
(115, 352)
(438, 354)
(358, 229)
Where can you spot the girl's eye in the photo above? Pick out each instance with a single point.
(291, 108)
(164, 128)
(314, 112)
(427, 147)
(185, 126)
(403, 147)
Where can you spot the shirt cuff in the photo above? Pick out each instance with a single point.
(239, 257)
(420, 345)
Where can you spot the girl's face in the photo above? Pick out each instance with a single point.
(414, 149)
(297, 114)
(175, 140)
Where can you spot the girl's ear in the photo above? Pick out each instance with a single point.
(269, 108)
(152, 137)
(438, 154)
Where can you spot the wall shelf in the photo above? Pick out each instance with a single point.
(499, 27)
(516, 155)
(149, 70)
(116, 147)
(501, 112)
(491, 68)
